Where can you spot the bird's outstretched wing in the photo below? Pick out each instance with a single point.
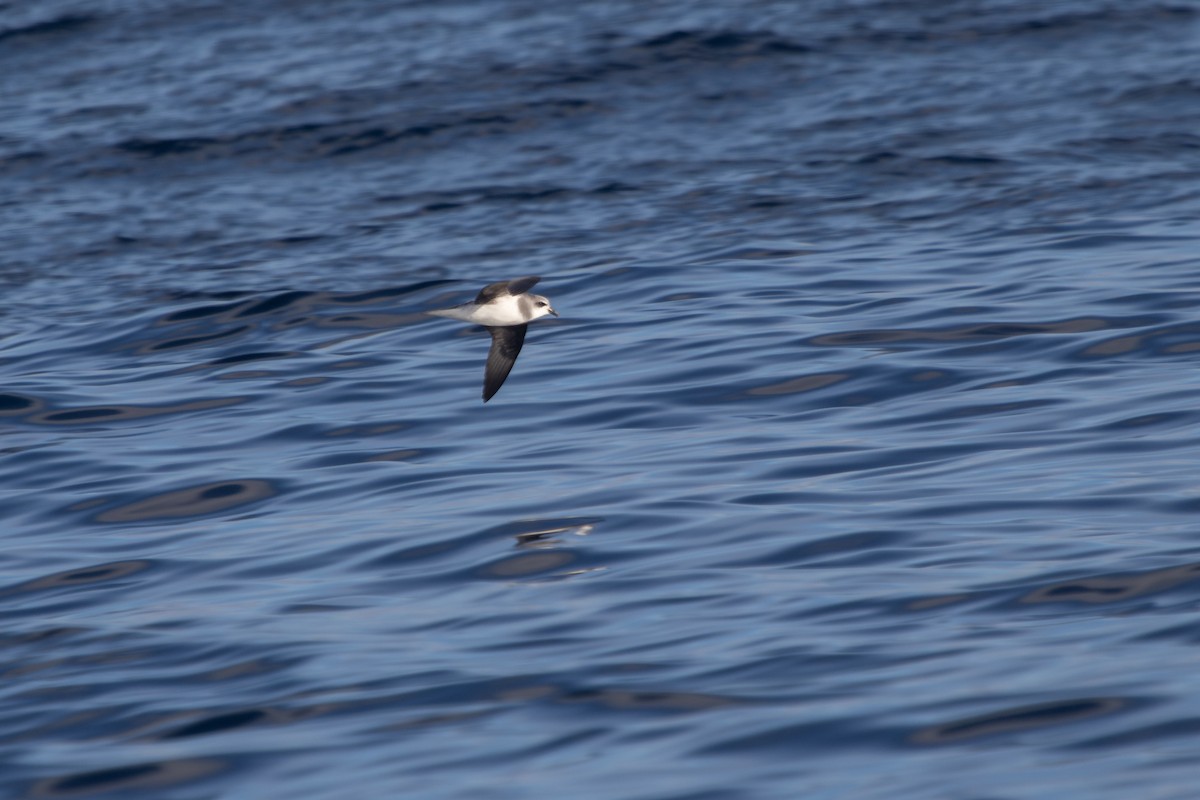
(506, 345)
(493, 290)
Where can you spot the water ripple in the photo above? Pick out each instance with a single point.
(133, 778)
(195, 501)
(1060, 712)
(868, 423)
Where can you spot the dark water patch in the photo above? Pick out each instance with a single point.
(244, 357)
(197, 501)
(152, 776)
(154, 148)
(762, 450)
(314, 380)
(641, 700)
(616, 57)
(951, 416)
(614, 415)
(524, 690)
(880, 386)
(794, 499)
(199, 312)
(1163, 734)
(370, 138)
(67, 23)
(976, 331)
(292, 301)
(384, 132)
(1180, 90)
(1052, 376)
(80, 577)
(13, 404)
(1096, 589)
(974, 168)
(249, 375)
(192, 341)
(835, 551)
(752, 253)
(716, 45)
(320, 557)
(353, 363)
(523, 194)
(964, 160)
(876, 459)
(1169, 340)
(56, 635)
(1188, 504)
(362, 457)
(1097, 241)
(818, 736)
(396, 455)
(316, 608)
(89, 415)
(84, 414)
(359, 431)
(1023, 718)
(233, 720)
(682, 297)
(941, 601)
(878, 157)
(216, 149)
(251, 668)
(615, 187)
(772, 202)
(805, 383)
(1159, 301)
(84, 505)
(1161, 419)
(470, 197)
(1029, 505)
(696, 376)
(422, 551)
(299, 239)
(441, 206)
(1154, 146)
(997, 23)
(1087, 590)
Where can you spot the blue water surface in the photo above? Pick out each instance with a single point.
(861, 463)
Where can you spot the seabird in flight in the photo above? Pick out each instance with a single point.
(505, 309)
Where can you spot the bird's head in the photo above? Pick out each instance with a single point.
(541, 306)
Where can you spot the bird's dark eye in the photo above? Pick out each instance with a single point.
(540, 305)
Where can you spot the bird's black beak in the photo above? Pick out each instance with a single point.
(552, 311)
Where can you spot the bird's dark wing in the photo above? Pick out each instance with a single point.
(506, 345)
(522, 285)
(493, 290)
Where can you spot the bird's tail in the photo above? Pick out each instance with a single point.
(453, 313)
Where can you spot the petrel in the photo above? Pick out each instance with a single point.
(505, 309)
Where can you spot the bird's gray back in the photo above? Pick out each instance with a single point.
(518, 286)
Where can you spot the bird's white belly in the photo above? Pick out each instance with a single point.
(501, 311)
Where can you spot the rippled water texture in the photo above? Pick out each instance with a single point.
(862, 462)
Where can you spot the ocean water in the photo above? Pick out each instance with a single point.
(863, 461)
